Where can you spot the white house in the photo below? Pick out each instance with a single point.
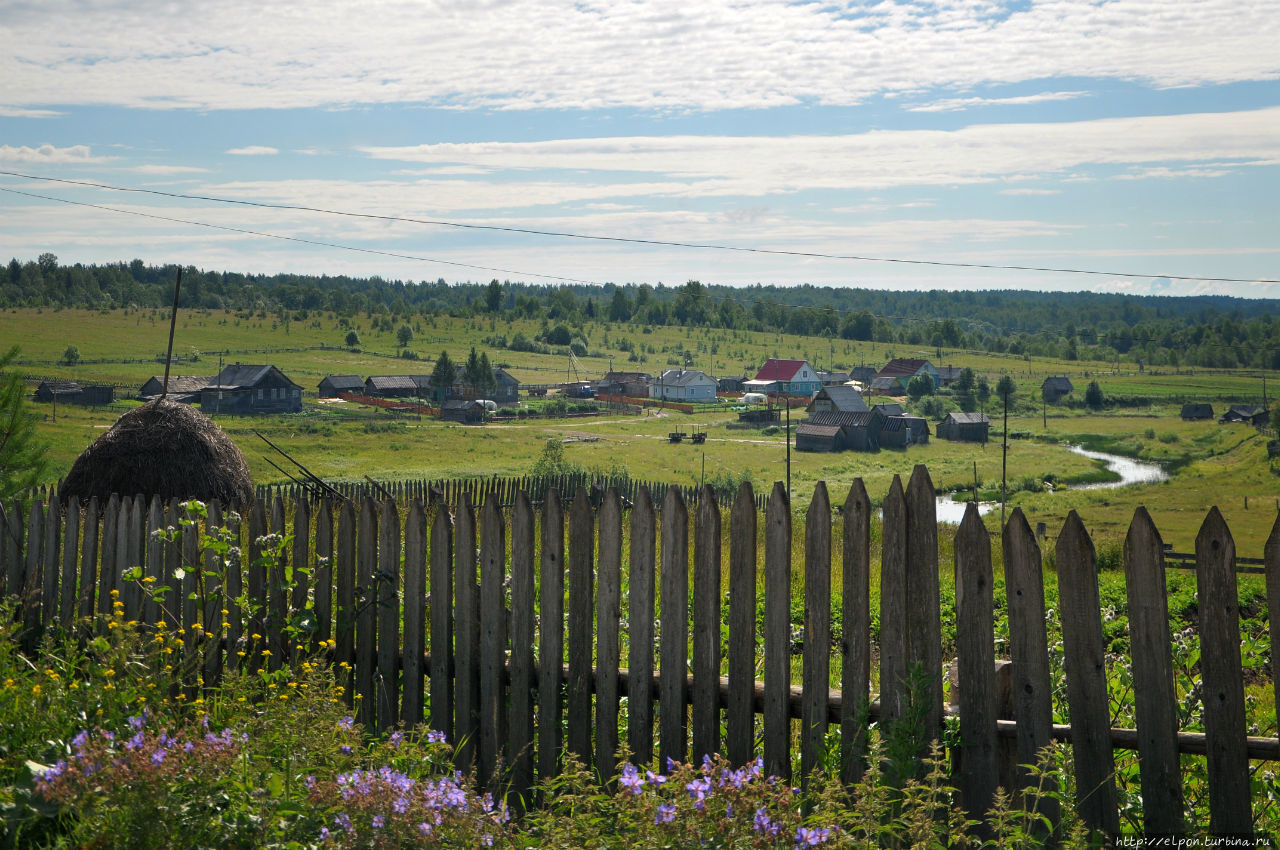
(684, 385)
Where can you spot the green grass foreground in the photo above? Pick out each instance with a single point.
(108, 740)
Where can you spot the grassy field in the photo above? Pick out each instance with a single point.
(1211, 464)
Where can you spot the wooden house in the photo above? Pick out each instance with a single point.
(965, 427)
(391, 386)
(791, 377)
(256, 388)
(1252, 414)
(184, 388)
(628, 384)
(905, 368)
(466, 411)
(836, 399)
(919, 429)
(1054, 389)
(684, 385)
(890, 408)
(819, 438)
(1197, 410)
(331, 386)
(895, 433)
(71, 392)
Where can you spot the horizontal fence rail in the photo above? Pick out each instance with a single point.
(516, 614)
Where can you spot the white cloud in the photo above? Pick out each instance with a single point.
(254, 150)
(757, 165)
(1030, 191)
(47, 154)
(19, 112)
(168, 170)
(647, 54)
(957, 103)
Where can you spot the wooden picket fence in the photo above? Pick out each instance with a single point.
(514, 648)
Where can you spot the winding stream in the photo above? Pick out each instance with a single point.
(1130, 471)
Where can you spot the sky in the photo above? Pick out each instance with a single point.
(812, 142)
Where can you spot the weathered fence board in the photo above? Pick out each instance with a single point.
(855, 644)
(673, 697)
(415, 597)
(640, 614)
(608, 645)
(777, 634)
(466, 638)
(387, 594)
(816, 659)
(705, 692)
(975, 664)
(519, 747)
(551, 636)
(493, 641)
(581, 622)
(893, 606)
(739, 715)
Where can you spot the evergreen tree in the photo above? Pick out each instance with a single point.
(22, 455)
(442, 376)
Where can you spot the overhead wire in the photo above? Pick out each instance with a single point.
(635, 240)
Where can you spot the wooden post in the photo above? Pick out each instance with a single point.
(70, 553)
(739, 720)
(1224, 719)
(277, 590)
(777, 634)
(257, 581)
(88, 559)
(608, 646)
(154, 568)
(323, 576)
(51, 566)
(1155, 699)
(33, 586)
(672, 696)
(344, 614)
(551, 636)
(816, 661)
(108, 571)
(975, 662)
(1090, 708)
(640, 613)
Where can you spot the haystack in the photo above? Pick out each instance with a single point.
(163, 449)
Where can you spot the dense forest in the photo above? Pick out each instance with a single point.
(1205, 331)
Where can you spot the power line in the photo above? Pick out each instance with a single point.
(317, 242)
(636, 241)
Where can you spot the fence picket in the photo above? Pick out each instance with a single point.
(277, 614)
(70, 552)
(216, 620)
(519, 748)
(975, 664)
(581, 622)
(493, 641)
(777, 634)
(1271, 555)
(108, 571)
(924, 625)
(88, 558)
(608, 614)
(1155, 699)
(1090, 709)
(154, 567)
(366, 660)
(466, 635)
(33, 585)
(256, 576)
(442, 622)
(739, 717)
(706, 626)
(51, 564)
(550, 636)
(415, 598)
(855, 671)
(344, 613)
(1224, 723)
(323, 571)
(640, 614)
(11, 540)
(171, 602)
(673, 695)
(893, 605)
(387, 594)
(816, 661)
(301, 555)
(1029, 646)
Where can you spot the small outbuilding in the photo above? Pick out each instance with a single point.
(1252, 414)
(1197, 410)
(390, 386)
(836, 399)
(251, 389)
(1054, 389)
(184, 388)
(331, 386)
(965, 427)
(466, 411)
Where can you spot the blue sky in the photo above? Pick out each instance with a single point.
(1138, 136)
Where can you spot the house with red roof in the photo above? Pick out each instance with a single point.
(792, 377)
(902, 369)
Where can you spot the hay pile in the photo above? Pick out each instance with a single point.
(163, 449)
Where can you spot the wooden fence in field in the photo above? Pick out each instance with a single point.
(508, 629)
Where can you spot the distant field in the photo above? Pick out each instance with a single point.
(1216, 464)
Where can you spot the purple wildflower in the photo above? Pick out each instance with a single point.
(424, 829)
(324, 834)
(434, 737)
(347, 722)
(631, 779)
(378, 821)
(135, 743)
(666, 814)
(158, 756)
(345, 749)
(396, 738)
(806, 837)
(80, 740)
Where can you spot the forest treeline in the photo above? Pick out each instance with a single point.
(1204, 331)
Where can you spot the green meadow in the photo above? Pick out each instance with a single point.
(1210, 464)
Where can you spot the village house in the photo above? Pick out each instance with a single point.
(859, 431)
(251, 389)
(890, 408)
(830, 378)
(1197, 410)
(1253, 414)
(790, 377)
(684, 385)
(391, 386)
(1054, 389)
(948, 375)
(965, 427)
(903, 369)
(331, 386)
(887, 386)
(183, 388)
(466, 411)
(836, 399)
(895, 433)
(627, 384)
(71, 392)
(730, 385)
